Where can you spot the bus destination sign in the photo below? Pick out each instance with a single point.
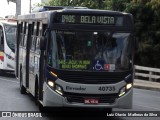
(88, 19)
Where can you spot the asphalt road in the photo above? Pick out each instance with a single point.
(12, 100)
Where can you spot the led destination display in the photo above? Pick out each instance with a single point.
(88, 19)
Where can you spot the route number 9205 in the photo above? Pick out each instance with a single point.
(106, 88)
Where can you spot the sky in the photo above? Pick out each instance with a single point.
(10, 9)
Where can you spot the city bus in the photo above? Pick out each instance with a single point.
(76, 58)
(7, 44)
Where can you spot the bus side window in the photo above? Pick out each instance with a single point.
(44, 29)
(37, 30)
(40, 30)
(33, 36)
(38, 33)
(23, 27)
(1, 39)
(21, 34)
(25, 35)
(38, 44)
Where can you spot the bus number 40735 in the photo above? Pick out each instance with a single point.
(106, 88)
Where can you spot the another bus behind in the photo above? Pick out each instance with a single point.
(7, 44)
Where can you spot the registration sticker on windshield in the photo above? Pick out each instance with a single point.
(109, 67)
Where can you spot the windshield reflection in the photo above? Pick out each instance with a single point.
(10, 32)
(91, 51)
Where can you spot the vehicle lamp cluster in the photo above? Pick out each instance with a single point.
(54, 86)
(9, 57)
(59, 89)
(125, 89)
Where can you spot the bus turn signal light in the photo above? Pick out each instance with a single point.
(55, 75)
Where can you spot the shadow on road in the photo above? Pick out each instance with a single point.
(79, 115)
(7, 74)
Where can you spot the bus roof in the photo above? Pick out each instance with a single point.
(8, 21)
(48, 8)
(42, 15)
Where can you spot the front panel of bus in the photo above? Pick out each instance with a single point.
(7, 48)
(90, 60)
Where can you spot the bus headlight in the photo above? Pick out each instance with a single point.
(128, 86)
(55, 87)
(51, 83)
(125, 89)
(59, 90)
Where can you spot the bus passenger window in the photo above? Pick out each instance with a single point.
(1, 39)
(38, 44)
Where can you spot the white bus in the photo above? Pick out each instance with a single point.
(80, 58)
(7, 44)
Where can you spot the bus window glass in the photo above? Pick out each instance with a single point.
(91, 51)
(37, 29)
(10, 32)
(1, 39)
(38, 44)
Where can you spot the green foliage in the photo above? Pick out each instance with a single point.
(84, 3)
(117, 5)
(147, 29)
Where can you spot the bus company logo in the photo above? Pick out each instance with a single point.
(21, 114)
(6, 114)
(75, 88)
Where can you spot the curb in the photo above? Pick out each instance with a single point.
(146, 87)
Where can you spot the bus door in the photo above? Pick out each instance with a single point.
(32, 57)
(27, 62)
(25, 53)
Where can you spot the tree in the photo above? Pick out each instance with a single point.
(147, 29)
(84, 3)
(116, 5)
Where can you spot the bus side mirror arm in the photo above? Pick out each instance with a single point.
(42, 43)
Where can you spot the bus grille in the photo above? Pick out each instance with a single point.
(79, 98)
(93, 78)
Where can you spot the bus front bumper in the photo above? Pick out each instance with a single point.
(53, 99)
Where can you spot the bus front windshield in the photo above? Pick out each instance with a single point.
(10, 31)
(90, 51)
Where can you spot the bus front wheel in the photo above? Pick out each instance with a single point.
(40, 106)
(22, 88)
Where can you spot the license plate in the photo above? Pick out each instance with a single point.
(91, 101)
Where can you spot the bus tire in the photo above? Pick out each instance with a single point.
(36, 92)
(1, 72)
(42, 108)
(109, 110)
(103, 112)
(37, 102)
(22, 88)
